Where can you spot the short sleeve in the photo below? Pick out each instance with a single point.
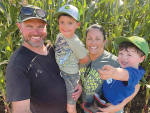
(77, 47)
(17, 84)
(135, 75)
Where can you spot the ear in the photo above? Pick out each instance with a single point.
(142, 58)
(19, 26)
(78, 24)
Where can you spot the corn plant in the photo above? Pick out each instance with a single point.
(118, 17)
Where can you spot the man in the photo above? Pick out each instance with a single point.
(33, 82)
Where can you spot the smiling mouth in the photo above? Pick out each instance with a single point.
(124, 63)
(93, 47)
(66, 30)
(35, 37)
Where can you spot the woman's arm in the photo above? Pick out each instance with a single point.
(115, 108)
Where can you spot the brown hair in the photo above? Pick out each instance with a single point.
(64, 14)
(96, 26)
(126, 45)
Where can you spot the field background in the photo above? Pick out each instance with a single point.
(118, 17)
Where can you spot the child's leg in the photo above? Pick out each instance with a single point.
(71, 81)
(71, 108)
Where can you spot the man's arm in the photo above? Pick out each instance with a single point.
(78, 92)
(21, 106)
(84, 60)
(115, 108)
(108, 71)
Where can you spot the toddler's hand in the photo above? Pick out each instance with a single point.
(106, 72)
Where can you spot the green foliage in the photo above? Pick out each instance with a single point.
(125, 18)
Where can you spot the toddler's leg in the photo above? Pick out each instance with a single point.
(71, 81)
(71, 108)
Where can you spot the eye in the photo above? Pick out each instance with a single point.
(70, 23)
(29, 26)
(129, 55)
(89, 38)
(61, 22)
(41, 26)
(120, 53)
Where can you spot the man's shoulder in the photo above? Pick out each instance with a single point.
(20, 56)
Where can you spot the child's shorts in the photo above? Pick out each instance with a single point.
(71, 81)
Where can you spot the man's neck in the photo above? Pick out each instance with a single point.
(39, 50)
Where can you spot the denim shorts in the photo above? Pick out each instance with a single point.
(71, 80)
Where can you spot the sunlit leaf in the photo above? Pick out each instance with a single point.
(9, 31)
(3, 8)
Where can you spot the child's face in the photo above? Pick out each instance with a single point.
(129, 58)
(67, 26)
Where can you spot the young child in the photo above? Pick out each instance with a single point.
(120, 82)
(69, 50)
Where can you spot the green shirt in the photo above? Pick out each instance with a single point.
(93, 83)
(68, 52)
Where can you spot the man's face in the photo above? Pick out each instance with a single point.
(34, 32)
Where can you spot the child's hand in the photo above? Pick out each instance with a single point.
(106, 72)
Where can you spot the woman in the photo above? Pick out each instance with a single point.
(91, 82)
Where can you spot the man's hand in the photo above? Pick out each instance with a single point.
(78, 92)
(106, 72)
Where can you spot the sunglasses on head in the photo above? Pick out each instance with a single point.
(30, 11)
(87, 70)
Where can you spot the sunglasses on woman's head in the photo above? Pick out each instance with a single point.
(87, 70)
(30, 11)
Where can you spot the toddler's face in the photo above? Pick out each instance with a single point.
(129, 58)
(67, 26)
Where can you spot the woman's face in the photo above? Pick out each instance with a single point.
(95, 42)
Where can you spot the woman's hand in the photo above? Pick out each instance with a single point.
(78, 92)
(110, 109)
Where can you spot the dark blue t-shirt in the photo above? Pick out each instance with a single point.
(115, 91)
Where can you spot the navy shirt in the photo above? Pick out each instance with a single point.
(36, 77)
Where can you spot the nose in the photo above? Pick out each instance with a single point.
(94, 42)
(124, 56)
(35, 31)
(65, 25)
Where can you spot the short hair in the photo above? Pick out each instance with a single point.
(126, 45)
(96, 26)
(64, 14)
